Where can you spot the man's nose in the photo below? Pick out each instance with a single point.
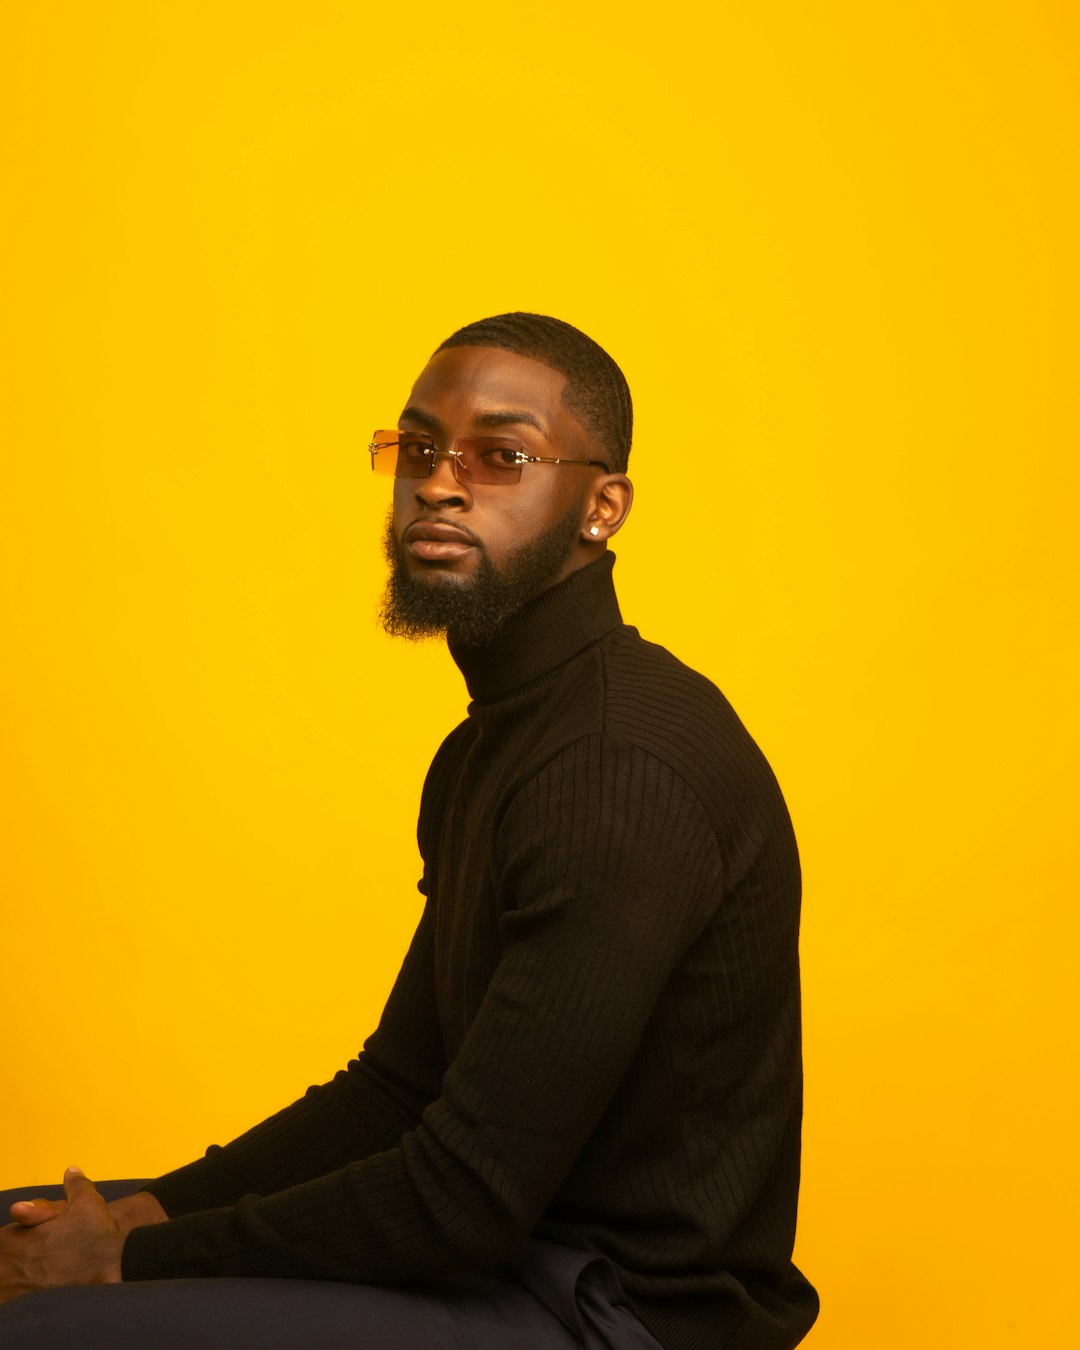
(440, 487)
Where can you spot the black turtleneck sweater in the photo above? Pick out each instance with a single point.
(595, 1034)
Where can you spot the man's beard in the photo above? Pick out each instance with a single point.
(471, 611)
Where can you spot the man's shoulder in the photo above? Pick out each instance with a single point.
(648, 687)
(632, 695)
(657, 703)
(630, 650)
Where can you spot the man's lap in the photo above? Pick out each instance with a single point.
(548, 1298)
(232, 1314)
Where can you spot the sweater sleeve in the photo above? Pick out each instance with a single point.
(606, 869)
(365, 1109)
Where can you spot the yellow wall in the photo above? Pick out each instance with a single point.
(835, 248)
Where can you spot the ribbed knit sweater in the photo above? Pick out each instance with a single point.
(595, 1035)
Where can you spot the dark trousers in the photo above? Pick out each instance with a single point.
(548, 1298)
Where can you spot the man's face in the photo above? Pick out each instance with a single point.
(465, 555)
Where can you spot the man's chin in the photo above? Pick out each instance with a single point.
(435, 575)
(436, 603)
(468, 599)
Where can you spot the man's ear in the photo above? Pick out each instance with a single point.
(607, 507)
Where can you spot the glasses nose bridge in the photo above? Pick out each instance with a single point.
(459, 473)
(458, 467)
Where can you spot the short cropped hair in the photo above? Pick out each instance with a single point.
(596, 391)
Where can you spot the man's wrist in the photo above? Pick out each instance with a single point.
(137, 1211)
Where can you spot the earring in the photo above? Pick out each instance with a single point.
(593, 530)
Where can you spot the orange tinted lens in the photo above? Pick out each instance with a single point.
(490, 459)
(401, 454)
(384, 452)
(414, 454)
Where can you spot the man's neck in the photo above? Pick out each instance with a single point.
(547, 631)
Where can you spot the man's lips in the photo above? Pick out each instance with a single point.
(437, 541)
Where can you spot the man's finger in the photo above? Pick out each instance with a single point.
(77, 1183)
(32, 1212)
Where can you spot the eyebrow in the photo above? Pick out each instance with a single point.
(412, 414)
(503, 417)
(511, 417)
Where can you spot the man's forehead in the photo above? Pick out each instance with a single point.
(484, 382)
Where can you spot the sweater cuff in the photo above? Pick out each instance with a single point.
(207, 1183)
(174, 1250)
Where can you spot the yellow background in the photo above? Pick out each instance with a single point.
(834, 247)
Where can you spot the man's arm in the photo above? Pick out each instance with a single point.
(602, 899)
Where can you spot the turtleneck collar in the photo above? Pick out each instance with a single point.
(554, 626)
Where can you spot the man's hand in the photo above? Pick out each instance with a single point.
(130, 1211)
(79, 1245)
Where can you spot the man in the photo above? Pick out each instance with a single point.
(579, 1116)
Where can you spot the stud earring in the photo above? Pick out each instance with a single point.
(593, 530)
